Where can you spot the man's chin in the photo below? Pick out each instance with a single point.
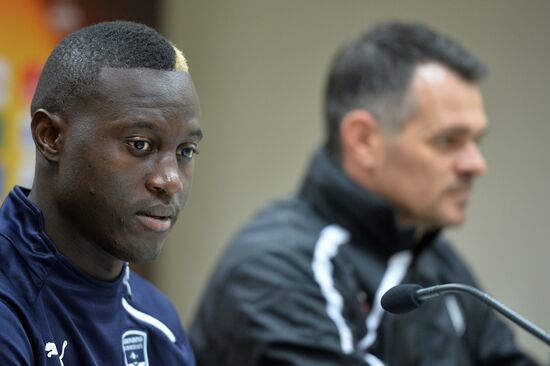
(145, 253)
(441, 219)
(453, 220)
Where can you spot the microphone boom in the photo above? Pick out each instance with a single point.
(407, 297)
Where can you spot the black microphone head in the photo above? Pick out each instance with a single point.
(401, 299)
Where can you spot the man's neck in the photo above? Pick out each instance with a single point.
(82, 252)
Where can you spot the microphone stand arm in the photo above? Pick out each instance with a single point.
(428, 293)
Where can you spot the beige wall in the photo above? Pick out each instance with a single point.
(259, 68)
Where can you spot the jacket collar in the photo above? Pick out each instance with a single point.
(22, 224)
(368, 217)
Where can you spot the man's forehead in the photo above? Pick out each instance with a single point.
(433, 75)
(431, 72)
(143, 84)
(443, 99)
(141, 78)
(121, 90)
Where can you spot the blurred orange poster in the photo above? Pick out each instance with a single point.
(29, 30)
(26, 39)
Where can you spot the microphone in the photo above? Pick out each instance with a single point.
(407, 297)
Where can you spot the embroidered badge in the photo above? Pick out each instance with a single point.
(134, 345)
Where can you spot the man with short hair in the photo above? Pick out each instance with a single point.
(115, 120)
(301, 283)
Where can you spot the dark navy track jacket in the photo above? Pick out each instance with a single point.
(51, 313)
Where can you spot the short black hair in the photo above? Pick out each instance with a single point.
(374, 72)
(72, 69)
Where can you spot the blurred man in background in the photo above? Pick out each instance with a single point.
(301, 283)
(115, 121)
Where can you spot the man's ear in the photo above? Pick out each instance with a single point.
(48, 132)
(360, 135)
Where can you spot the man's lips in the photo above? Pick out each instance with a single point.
(461, 194)
(155, 223)
(157, 219)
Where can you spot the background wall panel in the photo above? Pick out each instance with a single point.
(260, 66)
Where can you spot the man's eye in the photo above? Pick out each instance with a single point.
(140, 145)
(449, 141)
(445, 140)
(188, 152)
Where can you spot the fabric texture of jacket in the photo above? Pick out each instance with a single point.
(51, 313)
(301, 285)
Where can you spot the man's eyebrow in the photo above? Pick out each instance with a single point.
(463, 131)
(142, 124)
(196, 133)
(135, 124)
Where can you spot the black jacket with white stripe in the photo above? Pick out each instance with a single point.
(301, 285)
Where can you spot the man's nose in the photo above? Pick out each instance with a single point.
(165, 178)
(471, 161)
